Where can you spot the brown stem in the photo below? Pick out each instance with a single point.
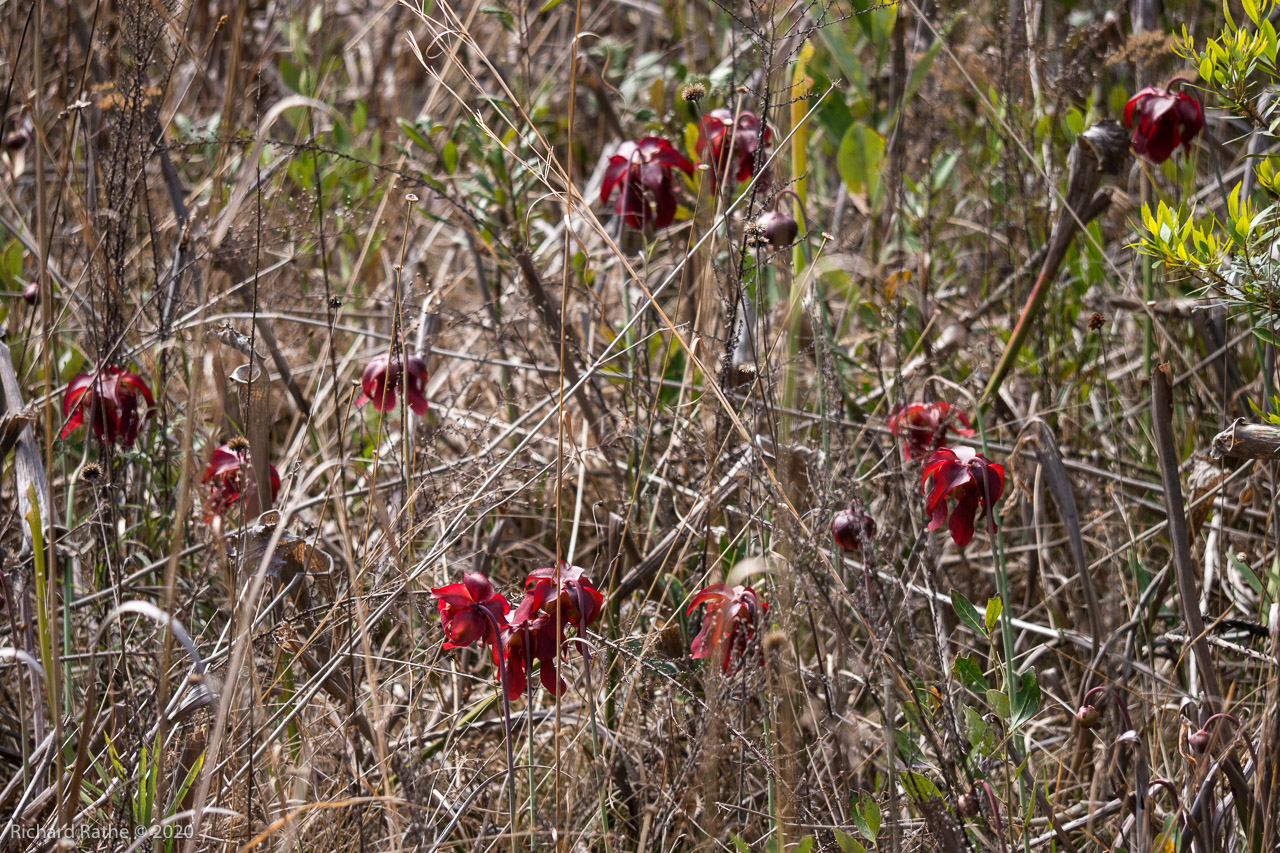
(1184, 572)
(1100, 150)
(593, 411)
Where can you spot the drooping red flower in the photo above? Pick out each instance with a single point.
(972, 480)
(778, 228)
(525, 640)
(1161, 120)
(724, 138)
(226, 479)
(853, 527)
(730, 621)
(643, 169)
(579, 602)
(111, 396)
(926, 426)
(471, 611)
(381, 379)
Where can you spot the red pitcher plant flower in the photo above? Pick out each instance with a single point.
(470, 611)
(731, 619)
(1161, 120)
(720, 138)
(968, 477)
(643, 169)
(526, 639)
(226, 479)
(924, 426)
(382, 377)
(853, 527)
(579, 603)
(112, 397)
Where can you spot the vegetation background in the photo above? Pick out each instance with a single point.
(245, 203)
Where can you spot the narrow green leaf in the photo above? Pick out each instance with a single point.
(1267, 336)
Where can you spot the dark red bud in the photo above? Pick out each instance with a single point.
(31, 293)
(967, 805)
(779, 229)
(16, 140)
(1088, 716)
(1198, 741)
(851, 528)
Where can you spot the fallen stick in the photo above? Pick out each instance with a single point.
(1244, 440)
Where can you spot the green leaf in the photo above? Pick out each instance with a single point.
(415, 134)
(967, 612)
(969, 673)
(866, 816)
(994, 608)
(918, 786)
(977, 732)
(921, 69)
(847, 843)
(999, 703)
(548, 6)
(1250, 577)
(859, 160)
(11, 267)
(503, 16)
(1026, 698)
(805, 845)
(449, 154)
(741, 845)
(1267, 336)
(1073, 121)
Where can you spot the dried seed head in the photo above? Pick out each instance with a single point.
(693, 93)
(91, 473)
(1096, 321)
(335, 303)
(754, 234)
(775, 643)
(238, 445)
